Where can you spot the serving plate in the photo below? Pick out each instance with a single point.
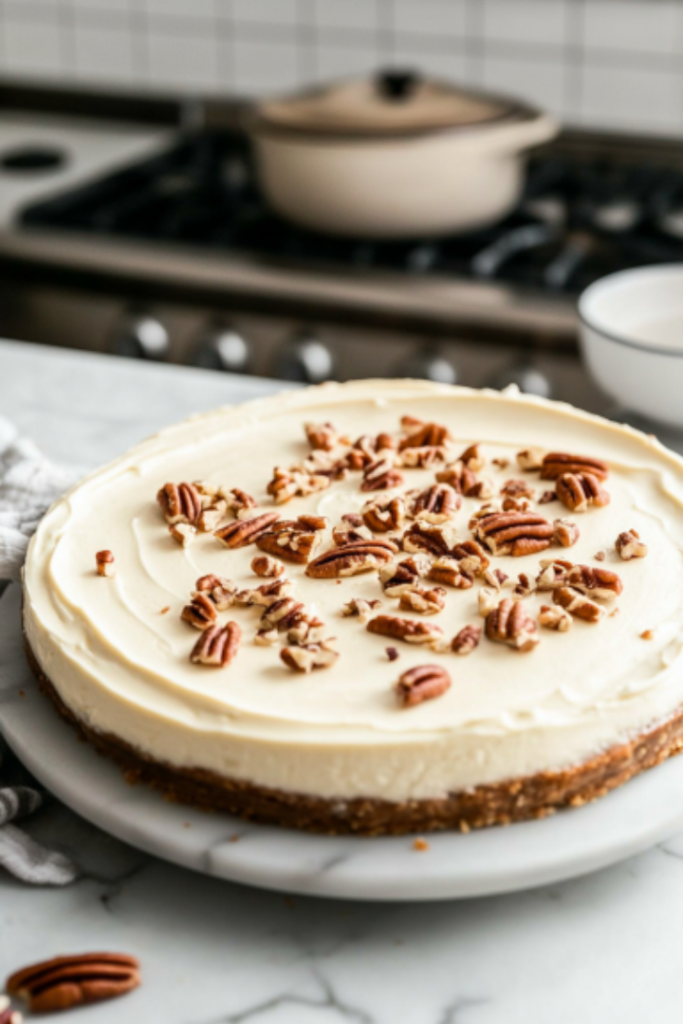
(645, 811)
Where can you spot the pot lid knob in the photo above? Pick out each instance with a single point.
(397, 84)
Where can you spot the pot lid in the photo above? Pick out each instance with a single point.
(390, 104)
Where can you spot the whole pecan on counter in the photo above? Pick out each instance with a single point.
(217, 646)
(293, 539)
(511, 624)
(412, 631)
(246, 531)
(351, 559)
(180, 503)
(381, 515)
(577, 491)
(69, 981)
(513, 533)
(577, 604)
(629, 545)
(436, 504)
(556, 464)
(424, 682)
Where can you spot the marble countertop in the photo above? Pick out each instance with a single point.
(598, 949)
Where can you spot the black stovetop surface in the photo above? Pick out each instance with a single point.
(579, 219)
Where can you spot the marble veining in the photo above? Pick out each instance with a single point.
(600, 948)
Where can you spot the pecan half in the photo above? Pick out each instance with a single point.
(423, 600)
(293, 539)
(361, 608)
(384, 514)
(104, 561)
(577, 491)
(566, 533)
(467, 640)
(513, 533)
(435, 540)
(217, 646)
(556, 464)
(511, 624)
(69, 981)
(246, 531)
(412, 631)
(423, 435)
(554, 617)
(180, 503)
(324, 435)
(629, 545)
(350, 559)
(221, 591)
(436, 504)
(310, 656)
(295, 482)
(381, 475)
(530, 459)
(517, 489)
(398, 576)
(265, 566)
(424, 682)
(578, 605)
(600, 584)
(265, 595)
(200, 613)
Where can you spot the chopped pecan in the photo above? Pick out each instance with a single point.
(423, 435)
(447, 569)
(600, 556)
(295, 482)
(500, 464)
(546, 497)
(324, 435)
(578, 605)
(221, 591)
(211, 518)
(473, 458)
(265, 595)
(238, 502)
(307, 657)
(105, 563)
(435, 540)
(511, 624)
(467, 640)
(579, 490)
(346, 534)
(422, 458)
(600, 584)
(381, 475)
(69, 981)
(530, 459)
(384, 514)
(180, 503)
(281, 615)
(352, 519)
(557, 464)
(350, 559)
(424, 682)
(566, 532)
(398, 576)
(517, 505)
(436, 504)
(200, 613)
(392, 653)
(460, 477)
(183, 533)
(495, 578)
(413, 631)
(517, 489)
(266, 638)
(293, 539)
(305, 629)
(513, 533)
(487, 599)
(361, 608)
(629, 545)
(246, 531)
(554, 617)
(264, 565)
(524, 585)
(553, 574)
(366, 449)
(422, 600)
(322, 463)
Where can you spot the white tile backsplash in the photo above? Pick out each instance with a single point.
(602, 63)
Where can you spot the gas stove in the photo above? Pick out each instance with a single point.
(175, 255)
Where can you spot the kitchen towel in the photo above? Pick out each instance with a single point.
(29, 483)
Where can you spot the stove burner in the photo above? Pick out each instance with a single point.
(580, 218)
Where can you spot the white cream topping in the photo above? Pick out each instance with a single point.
(123, 667)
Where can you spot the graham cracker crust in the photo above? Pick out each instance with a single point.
(521, 799)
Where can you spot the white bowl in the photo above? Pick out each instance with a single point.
(632, 339)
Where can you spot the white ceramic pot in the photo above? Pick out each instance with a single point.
(632, 339)
(356, 160)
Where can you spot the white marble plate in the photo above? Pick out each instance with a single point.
(647, 810)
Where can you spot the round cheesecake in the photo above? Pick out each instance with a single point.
(433, 666)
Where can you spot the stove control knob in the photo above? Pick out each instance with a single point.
(526, 376)
(140, 336)
(304, 358)
(221, 347)
(427, 365)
